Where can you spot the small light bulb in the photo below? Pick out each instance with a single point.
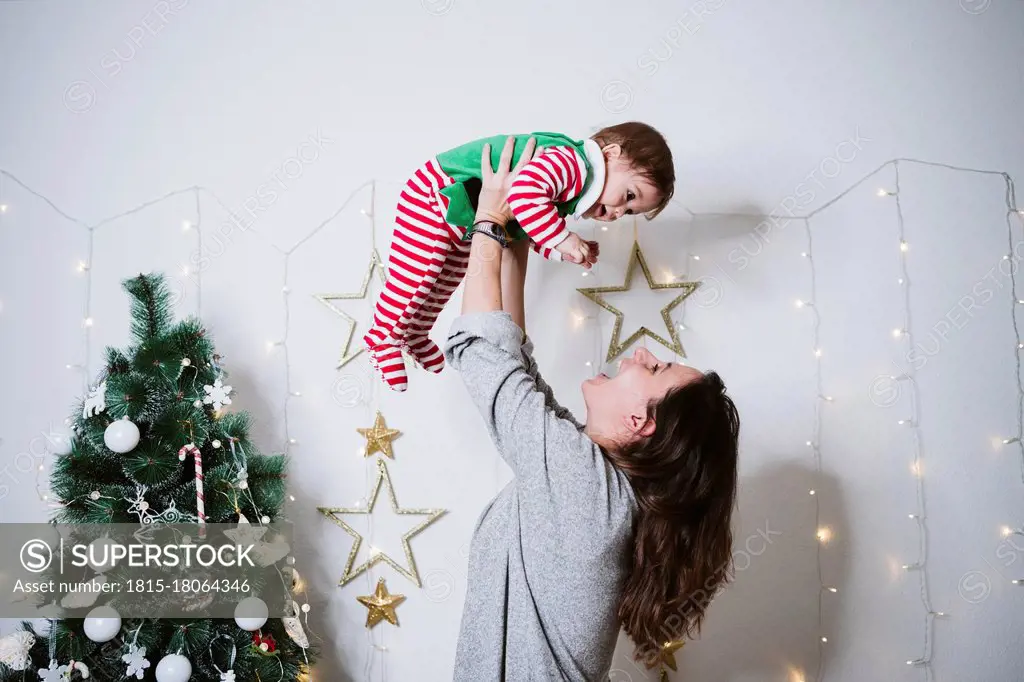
(285, 289)
(589, 363)
(899, 281)
(297, 393)
(45, 498)
(833, 590)
(291, 498)
(904, 246)
(912, 516)
(1015, 582)
(82, 266)
(1007, 441)
(3, 208)
(696, 257)
(809, 443)
(824, 639)
(817, 352)
(811, 492)
(905, 422)
(1020, 345)
(915, 468)
(803, 254)
(824, 534)
(604, 228)
(827, 398)
(88, 322)
(897, 333)
(882, 192)
(799, 303)
(1006, 531)
(184, 269)
(1006, 257)
(42, 467)
(374, 551)
(186, 225)
(682, 327)
(292, 441)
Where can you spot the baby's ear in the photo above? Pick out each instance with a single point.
(612, 151)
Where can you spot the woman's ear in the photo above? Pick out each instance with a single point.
(641, 425)
(611, 151)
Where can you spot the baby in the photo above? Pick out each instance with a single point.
(620, 170)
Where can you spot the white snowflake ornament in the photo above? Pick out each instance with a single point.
(136, 660)
(55, 673)
(217, 395)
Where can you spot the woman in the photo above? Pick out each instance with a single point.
(622, 522)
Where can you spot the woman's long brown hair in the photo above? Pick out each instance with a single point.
(684, 476)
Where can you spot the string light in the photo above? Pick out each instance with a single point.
(3, 208)
(82, 266)
(897, 333)
(904, 247)
(186, 225)
(882, 192)
(815, 438)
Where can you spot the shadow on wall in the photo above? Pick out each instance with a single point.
(765, 625)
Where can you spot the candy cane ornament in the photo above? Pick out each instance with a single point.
(185, 451)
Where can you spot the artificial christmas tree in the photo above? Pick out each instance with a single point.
(153, 446)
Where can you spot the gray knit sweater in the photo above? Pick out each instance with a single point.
(550, 553)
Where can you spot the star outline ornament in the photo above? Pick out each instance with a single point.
(379, 438)
(615, 346)
(350, 572)
(381, 605)
(376, 263)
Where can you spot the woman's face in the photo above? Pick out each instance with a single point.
(617, 406)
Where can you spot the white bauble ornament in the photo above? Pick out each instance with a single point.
(121, 436)
(173, 668)
(102, 624)
(100, 554)
(14, 649)
(60, 442)
(251, 613)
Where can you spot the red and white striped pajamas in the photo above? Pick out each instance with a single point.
(428, 256)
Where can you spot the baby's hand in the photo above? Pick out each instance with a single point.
(577, 250)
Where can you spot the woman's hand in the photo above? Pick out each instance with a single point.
(493, 202)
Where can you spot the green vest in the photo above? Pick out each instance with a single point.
(462, 164)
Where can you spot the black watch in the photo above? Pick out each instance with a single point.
(492, 230)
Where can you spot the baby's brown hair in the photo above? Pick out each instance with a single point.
(647, 153)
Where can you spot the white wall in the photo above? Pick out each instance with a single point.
(769, 107)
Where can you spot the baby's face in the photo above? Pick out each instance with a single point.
(626, 192)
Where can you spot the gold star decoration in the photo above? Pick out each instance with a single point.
(333, 513)
(326, 299)
(667, 657)
(378, 438)
(615, 347)
(381, 605)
